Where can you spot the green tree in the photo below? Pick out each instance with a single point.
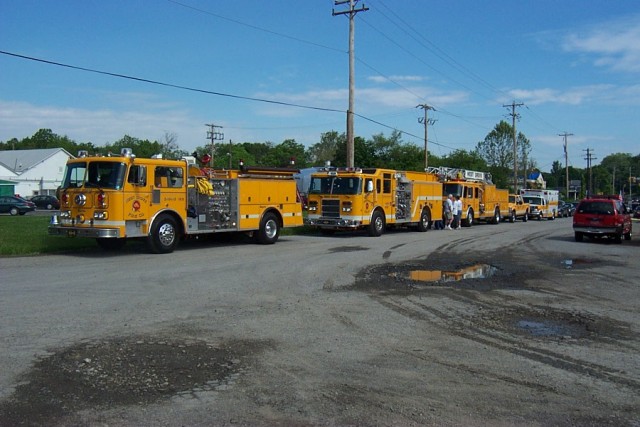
(462, 159)
(497, 150)
(140, 147)
(325, 150)
(282, 154)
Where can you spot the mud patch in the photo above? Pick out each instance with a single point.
(122, 371)
(421, 275)
(340, 249)
(547, 323)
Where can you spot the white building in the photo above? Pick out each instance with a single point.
(34, 171)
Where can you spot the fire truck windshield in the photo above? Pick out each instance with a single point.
(94, 174)
(335, 185)
(532, 200)
(454, 189)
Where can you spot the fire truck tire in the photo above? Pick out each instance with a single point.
(496, 217)
(512, 217)
(164, 235)
(553, 216)
(376, 228)
(269, 229)
(111, 244)
(468, 221)
(525, 218)
(425, 220)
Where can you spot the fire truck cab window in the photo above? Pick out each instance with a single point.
(378, 188)
(168, 177)
(138, 175)
(469, 193)
(369, 185)
(386, 183)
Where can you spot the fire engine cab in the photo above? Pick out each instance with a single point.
(373, 199)
(116, 198)
(481, 200)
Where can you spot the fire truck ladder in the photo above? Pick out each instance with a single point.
(446, 173)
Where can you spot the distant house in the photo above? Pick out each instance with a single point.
(34, 171)
(536, 180)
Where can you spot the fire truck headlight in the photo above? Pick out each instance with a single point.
(80, 219)
(346, 207)
(100, 215)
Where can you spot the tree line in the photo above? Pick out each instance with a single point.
(493, 154)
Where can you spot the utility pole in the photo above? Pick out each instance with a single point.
(352, 11)
(589, 158)
(566, 161)
(213, 136)
(514, 116)
(426, 121)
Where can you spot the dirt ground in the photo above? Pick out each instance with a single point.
(515, 335)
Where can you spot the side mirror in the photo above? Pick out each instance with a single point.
(369, 187)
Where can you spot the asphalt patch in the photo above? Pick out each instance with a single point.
(122, 371)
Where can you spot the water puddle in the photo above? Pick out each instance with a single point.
(478, 271)
(545, 328)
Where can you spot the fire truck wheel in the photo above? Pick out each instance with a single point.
(164, 235)
(111, 244)
(425, 219)
(496, 217)
(468, 221)
(376, 228)
(269, 229)
(512, 217)
(525, 218)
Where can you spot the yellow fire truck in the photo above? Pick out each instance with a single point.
(354, 198)
(481, 200)
(116, 198)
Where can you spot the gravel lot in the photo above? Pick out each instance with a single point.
(340, 330)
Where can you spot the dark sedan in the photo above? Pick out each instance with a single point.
(15, 205)
(46, 202)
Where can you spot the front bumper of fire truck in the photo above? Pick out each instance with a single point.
(535, 212)
(59, 225)
(335, 223)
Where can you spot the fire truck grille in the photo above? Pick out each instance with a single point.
(331, 208)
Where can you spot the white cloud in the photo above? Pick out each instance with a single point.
(20, 120)
(614, 45)
(571, 96)
(396, 79)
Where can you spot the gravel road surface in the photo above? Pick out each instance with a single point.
(508, 324)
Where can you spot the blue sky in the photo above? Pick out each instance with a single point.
(574, 64)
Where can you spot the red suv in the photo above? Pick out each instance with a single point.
(602, 216)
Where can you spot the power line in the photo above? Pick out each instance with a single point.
(155, 82)
(207, 92)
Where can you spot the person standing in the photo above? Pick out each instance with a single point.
(457, 212)
(448, 212)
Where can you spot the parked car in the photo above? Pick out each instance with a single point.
(46, 202)
(636, 212)
(565, 209)
(604, 216)
(15, 205)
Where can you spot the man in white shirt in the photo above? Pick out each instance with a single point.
(457, 212)
(448, 212)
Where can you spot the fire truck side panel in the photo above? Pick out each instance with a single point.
(262, 195)
(126, 197)
(350, 199)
